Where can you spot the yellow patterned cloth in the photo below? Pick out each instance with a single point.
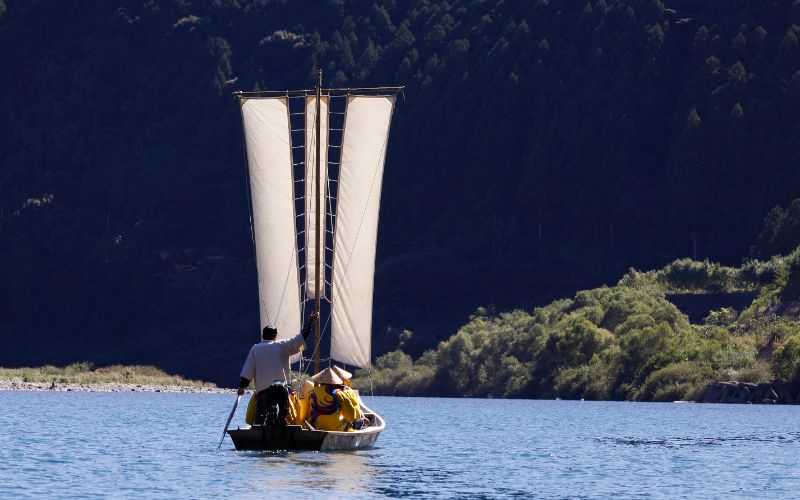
(333, 408)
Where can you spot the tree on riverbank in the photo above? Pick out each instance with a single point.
(622, 342)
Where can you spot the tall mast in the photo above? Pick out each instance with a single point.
(318, 223)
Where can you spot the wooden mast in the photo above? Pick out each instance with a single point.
(317, 235)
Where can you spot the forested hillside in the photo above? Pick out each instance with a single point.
(541, 147)
(629, 341)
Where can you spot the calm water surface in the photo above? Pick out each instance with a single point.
(157, 445)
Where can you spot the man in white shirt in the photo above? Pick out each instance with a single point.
(268, 360)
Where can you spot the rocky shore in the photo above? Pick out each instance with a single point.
(747, 393)
(18, 384)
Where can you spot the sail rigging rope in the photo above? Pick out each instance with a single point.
(371, 392)
(306, 201)
(316, 347)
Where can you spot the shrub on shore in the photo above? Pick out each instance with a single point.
(786, 360)
(622, 342)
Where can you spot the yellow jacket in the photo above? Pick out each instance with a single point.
(333, 407)
(298, 409)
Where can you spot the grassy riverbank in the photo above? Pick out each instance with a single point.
(85, 373)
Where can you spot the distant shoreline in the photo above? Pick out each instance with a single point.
(84, 377)
(18, 384)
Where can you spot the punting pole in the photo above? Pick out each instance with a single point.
(316, 235)
(230, 417)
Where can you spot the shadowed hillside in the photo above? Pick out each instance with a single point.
(542, 147)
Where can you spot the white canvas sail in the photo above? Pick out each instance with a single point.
(269, 158)
(312, 203)
(366, 133)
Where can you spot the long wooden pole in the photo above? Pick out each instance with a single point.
(230, 417)
(342, 91)
(317, 235)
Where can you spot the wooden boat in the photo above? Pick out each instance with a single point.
(294, 437)
(315, 162)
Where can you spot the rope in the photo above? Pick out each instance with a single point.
(329, 198)
(312, 359)
(371, 393)
(316, 347)
(307, 200)
(307, 204)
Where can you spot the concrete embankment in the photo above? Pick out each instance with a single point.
(744, 392)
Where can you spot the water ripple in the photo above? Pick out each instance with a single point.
(164, 446)
(680, 442)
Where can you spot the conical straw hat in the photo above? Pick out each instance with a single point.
(346, 375)
(327, 376)
(333, 376)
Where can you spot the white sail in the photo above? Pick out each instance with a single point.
(269, 158)
(364, 142)
(312, 204)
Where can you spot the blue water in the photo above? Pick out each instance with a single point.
(157, 445)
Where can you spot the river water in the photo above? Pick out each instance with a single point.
(158, 445)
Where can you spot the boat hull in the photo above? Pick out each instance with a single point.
(284, 438)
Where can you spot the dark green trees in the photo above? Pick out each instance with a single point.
(541, 148)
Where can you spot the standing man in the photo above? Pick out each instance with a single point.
(268, 360)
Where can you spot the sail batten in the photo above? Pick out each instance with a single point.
(366, 130)
(269, 158)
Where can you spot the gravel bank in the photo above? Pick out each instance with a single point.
(18, 384)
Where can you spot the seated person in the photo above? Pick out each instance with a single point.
(332, 405)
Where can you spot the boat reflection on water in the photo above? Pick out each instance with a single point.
(344, 471)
